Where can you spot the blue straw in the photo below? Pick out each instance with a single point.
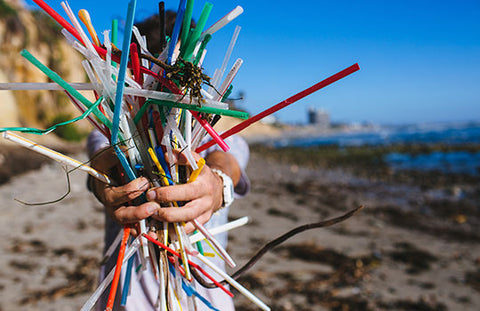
(176, 30)
(127, 37)
(120, 88)
(126, 282)
(189, 290)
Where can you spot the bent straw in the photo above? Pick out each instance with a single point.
(57, 156)
(241, 126)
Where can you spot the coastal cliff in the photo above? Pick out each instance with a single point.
(39, 34)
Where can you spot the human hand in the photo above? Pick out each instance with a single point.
(204, 196)
(117, 199)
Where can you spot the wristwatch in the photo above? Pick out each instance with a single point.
(227, 188)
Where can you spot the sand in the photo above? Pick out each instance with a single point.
(402, 252)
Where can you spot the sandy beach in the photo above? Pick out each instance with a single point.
(412, 247)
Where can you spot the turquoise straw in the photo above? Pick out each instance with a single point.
(57, 79)
(120, 88)
(32, 130)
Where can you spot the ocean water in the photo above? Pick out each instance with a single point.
(440, 133)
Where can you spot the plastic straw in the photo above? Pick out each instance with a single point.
(223, 21)
(85, 18)
(187, 19)
(190, 262)
(173, 98)
(217, 76)
(56, 78)
(176, 30)
(215, 243)
(234, 283)
(49, 86)
(228, 79)
(90, 303)
(192, 40)
(239, 127)
(118, 268)
(220, 229)
(57, 156)
(191, 107)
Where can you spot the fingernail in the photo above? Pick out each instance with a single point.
(151, 195)
(152, 208)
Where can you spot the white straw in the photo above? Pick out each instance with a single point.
(57, 156)
(220, 229)
(216, 79)
(49, 86)
(222, 22)
(234, 283)
(228, 79)
(172, 97)
(216, 244)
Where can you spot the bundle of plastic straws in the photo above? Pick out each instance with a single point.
(151, 105)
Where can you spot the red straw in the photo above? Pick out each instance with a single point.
(229, 293)
(241, 126)
(103, 52)
(118, 269)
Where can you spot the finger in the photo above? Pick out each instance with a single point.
(133, 214)
(185, 192)
(175, 214)
(181, 157)
(115, 196)
(203, 219)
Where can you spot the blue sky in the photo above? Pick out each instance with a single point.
(420, 60)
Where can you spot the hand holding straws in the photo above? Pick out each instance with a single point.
(161, 106)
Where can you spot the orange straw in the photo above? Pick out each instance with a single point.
(118, 269)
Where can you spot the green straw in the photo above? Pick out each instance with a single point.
(56, 78)
(187, 19)
(193, 38)
(209, 110)
(114, 37)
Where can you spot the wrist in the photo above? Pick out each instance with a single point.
(227, 188)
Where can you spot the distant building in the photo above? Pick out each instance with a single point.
(318, 117)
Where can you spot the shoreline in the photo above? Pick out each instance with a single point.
(411, 248)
